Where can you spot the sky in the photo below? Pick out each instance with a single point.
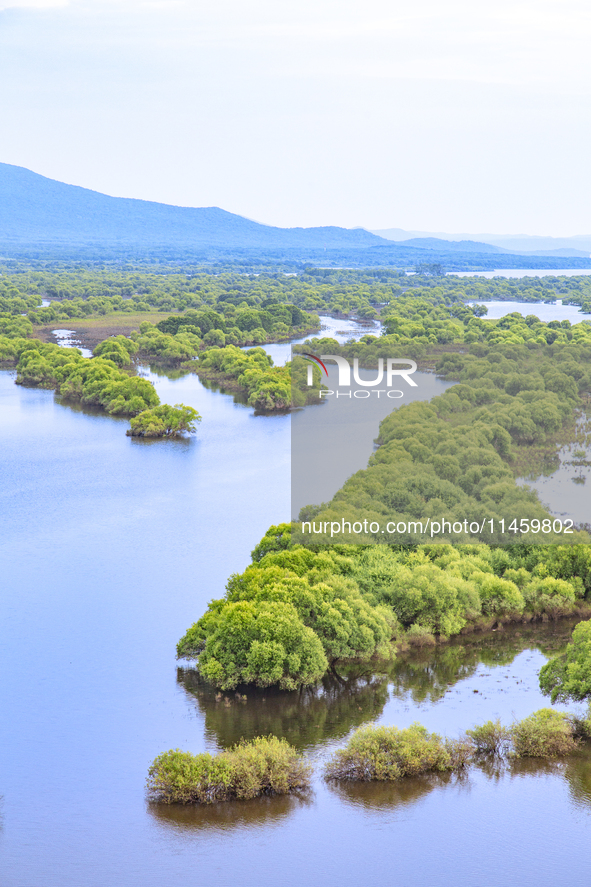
(457, 116)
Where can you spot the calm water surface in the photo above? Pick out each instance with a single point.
(524, 272)
(110, 547)
(545, 311)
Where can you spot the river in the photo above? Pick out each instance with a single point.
(111, 547)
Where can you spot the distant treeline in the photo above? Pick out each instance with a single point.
(81, 291)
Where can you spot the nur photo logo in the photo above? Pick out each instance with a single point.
(389, 371)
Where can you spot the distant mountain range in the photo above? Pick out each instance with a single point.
(516, 244)
(34, 209)
(43, 218)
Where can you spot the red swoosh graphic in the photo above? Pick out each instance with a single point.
(317, 359)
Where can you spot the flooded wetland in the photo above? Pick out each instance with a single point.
(110, 548)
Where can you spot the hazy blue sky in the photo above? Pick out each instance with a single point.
(461, 115)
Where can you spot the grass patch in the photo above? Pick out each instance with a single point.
(263, 766)
(92, 330)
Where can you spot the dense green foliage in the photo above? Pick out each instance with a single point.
(266, 387)
(165, 348)
(456, 458)
(568, 676)
(490, 738)
(544, 734)
(119, 349)
(79, 290)
(387, 753)
(164, 421)
(358, 602)
(252, 371)
(264, 766)
(97, 381)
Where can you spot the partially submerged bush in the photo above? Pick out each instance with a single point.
(568, 676)
(490, 738)
(263, 643)
(387, 753)
(544, 734)
(164, 421)
(263, 766)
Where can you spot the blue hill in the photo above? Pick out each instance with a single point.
(38, 210)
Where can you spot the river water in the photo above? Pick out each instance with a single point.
(545, 311)
(110, 547)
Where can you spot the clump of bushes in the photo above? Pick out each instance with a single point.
(96, 381)
(267, 387)
(119, 349)
(164, 421)
(544, 734)
(568, 676)
(387, 753)
(263, 766)
(363, 602)
(490, 738)
(165, 347)
(255, 642)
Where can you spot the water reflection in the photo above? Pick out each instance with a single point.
(314, 717)
(426, 674)
(162, 371)
(379, 796)
(229, 815)
(578, 774)
(306, 718)
(376, 796)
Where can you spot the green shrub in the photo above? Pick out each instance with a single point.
(164, 421)
(97, 381)
(544, 734)
(263, 766)
(490, 738)
(419, 636)
(569, 676)
(262, 643)
(387, 753)
(116, 348)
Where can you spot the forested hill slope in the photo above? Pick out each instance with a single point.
(41, 218)
(35, 209)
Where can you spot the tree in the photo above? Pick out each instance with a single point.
(569, 676)
(262, 643)
(164, 421)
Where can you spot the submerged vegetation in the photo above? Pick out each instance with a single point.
(264, 766)
(373, 753)
(490, 738)
(544, 734)
(296, 613)
(387, 753)
(164, 421)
